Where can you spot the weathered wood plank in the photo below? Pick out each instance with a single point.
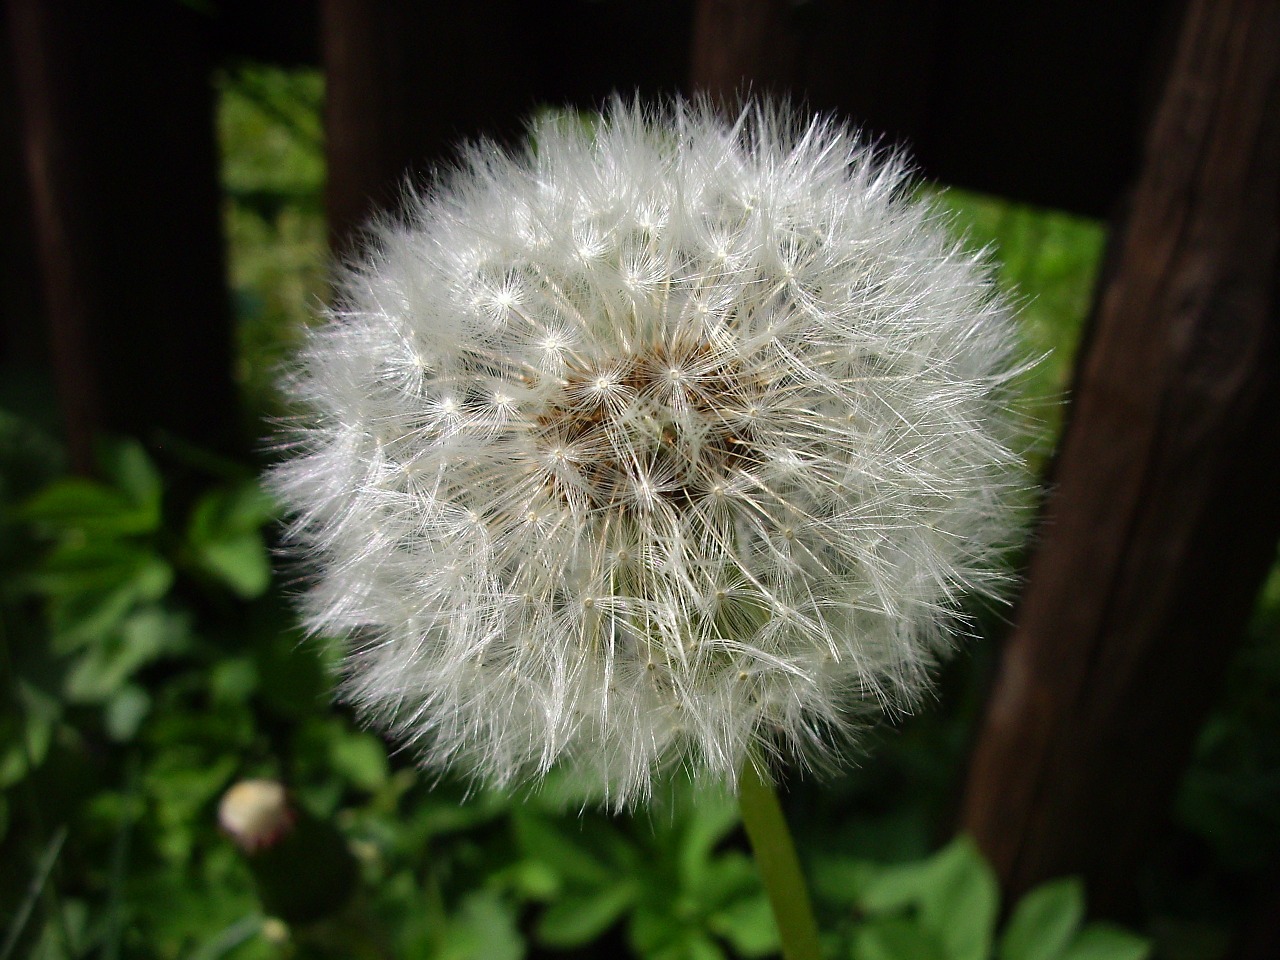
(122, 165)
(1163, 515)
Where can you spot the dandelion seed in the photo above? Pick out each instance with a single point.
(714, 437)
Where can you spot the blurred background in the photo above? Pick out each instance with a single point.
(1100, 775)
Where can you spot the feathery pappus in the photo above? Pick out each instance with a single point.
(669, 440)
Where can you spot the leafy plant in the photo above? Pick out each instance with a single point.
(111, 568)
(668, 879)
(946, 907)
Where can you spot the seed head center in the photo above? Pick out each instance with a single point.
(654, 427)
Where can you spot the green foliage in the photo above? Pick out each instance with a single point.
(669, 879)
(273, 177)
(224, 537)
(111, 567)
(1047, 261)
(1045, 921)
(947, 906)
(167, 649)
(149, 661)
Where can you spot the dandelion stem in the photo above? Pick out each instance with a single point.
(775, 854)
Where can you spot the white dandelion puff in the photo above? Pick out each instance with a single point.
(665, 441)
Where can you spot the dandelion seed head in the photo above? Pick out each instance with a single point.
(664, 441)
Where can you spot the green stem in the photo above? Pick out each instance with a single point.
(779, 866)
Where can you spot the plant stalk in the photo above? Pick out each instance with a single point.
(775, 854)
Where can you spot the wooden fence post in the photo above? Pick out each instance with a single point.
(1163, 516)
(405, 83)
(122, 168)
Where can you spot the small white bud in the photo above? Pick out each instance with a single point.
(255, 814)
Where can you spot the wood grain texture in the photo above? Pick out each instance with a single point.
(1163, 516)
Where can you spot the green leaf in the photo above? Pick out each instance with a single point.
(66, 933)
(1044, 921)
(239, 509)
(724, 880)
(93, 587)
(652, 930)
(841, 880)
(1103, 941)
(483, 929)
(442, 816)
(182, 786)
(147, 635)
(361, 758)
(962, 908)
(26, 736)
(886, 889)
(89, 509)
(569, 856)
(250, 507)
(127, 463)
(531, 880)
(748, 925)
(711, 817)
(233, 680)
(694, 945)
(227, 940)
(225, 541)
(578, 919)
(240, 562)
(125, 712)
(79, 567)
(955, 891)
(895, 938)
